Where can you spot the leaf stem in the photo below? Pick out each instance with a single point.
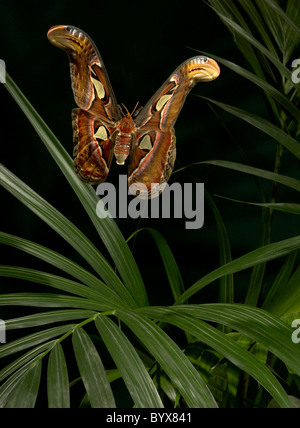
(71, 331)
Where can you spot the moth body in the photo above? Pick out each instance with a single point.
(123, 139)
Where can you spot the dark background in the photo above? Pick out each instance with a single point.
(141, 43)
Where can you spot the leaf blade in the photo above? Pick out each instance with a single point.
(65, 228)
(223, 344)
(264, 125)
(171, 358)
(58, 391)
(25, 395)
(92, 371)
(106, 227)
(168, 259)
(33, 339)
(106, 296)
(268, 175)
(262, 84)
(258, 324)
(53, 258)
(134, 373)
(260, 255)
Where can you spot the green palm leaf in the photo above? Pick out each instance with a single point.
(222, 344)
(176, 365)
(264, 125)
(106, 296)
(57, 379)
(25, 394)
(249, 38)
(92, 371)
(107, 228)
(261, 326)
(65, 228)
(134, 373)
(278, 178)
(33, 340)
(258, 256)
(54, 259)
(170, 265)
(262, 84)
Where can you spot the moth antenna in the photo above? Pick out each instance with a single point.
(121, 109)
(128, 114)
(134, 108)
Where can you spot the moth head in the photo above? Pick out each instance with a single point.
(126, 125)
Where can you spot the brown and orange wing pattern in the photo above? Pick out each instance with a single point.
(153, 155)
(92, 147)
(95, 122)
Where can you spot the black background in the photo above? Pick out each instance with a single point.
(141, 43)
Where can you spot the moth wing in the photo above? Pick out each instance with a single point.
(90, 82)
(153, 155)
(94, 124)
(151, 162)
(93, 147)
